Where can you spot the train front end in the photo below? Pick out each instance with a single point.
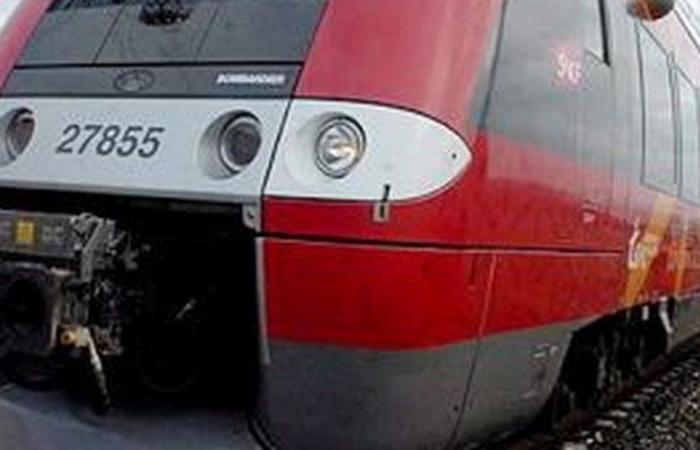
(216, 206)
(136, 140)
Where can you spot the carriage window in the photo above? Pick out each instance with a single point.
(689, 13)
(690, 141)
(660, 168)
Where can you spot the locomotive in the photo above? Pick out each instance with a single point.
(339, 224)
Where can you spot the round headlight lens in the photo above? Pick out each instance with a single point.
(240, 143)
(19, 132)
(339, 147)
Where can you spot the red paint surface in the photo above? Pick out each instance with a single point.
(531, 290)
(15, 35)
(405, 53)
(373, 297)
(398, 298)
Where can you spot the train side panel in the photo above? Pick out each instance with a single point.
(556, 199)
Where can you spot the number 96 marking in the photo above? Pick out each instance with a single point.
(106, 140)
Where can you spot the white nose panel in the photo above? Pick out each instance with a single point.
(143, 147)
(411, 153)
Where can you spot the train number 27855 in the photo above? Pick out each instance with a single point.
(105, 140)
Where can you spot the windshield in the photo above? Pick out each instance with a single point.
(127, 32)
(78, 4)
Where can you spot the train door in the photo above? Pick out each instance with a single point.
(687, 279)
(551, 93)
(653, 205)
(624, 127)
(596, 140)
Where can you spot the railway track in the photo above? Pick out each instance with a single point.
(659, 411)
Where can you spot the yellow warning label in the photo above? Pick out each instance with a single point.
(25, 233)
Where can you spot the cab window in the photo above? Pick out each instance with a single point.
(690, 138)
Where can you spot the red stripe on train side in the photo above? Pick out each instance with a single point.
(372, 297)
(405, 299)
(532, 290)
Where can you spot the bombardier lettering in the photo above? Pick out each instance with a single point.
(266, 79)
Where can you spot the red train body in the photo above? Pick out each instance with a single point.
(529, 191)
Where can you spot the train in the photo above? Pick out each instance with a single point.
(339, 224)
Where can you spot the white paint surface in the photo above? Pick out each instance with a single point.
(413, 154)
(7, 8)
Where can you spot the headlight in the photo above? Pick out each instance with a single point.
(19, 132)
(239, 143)
(339, 147)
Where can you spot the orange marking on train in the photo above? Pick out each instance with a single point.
(644, 248)
(681, 258)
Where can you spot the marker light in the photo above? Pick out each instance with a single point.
(339, 147)
(239, 143)
(19, 132)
